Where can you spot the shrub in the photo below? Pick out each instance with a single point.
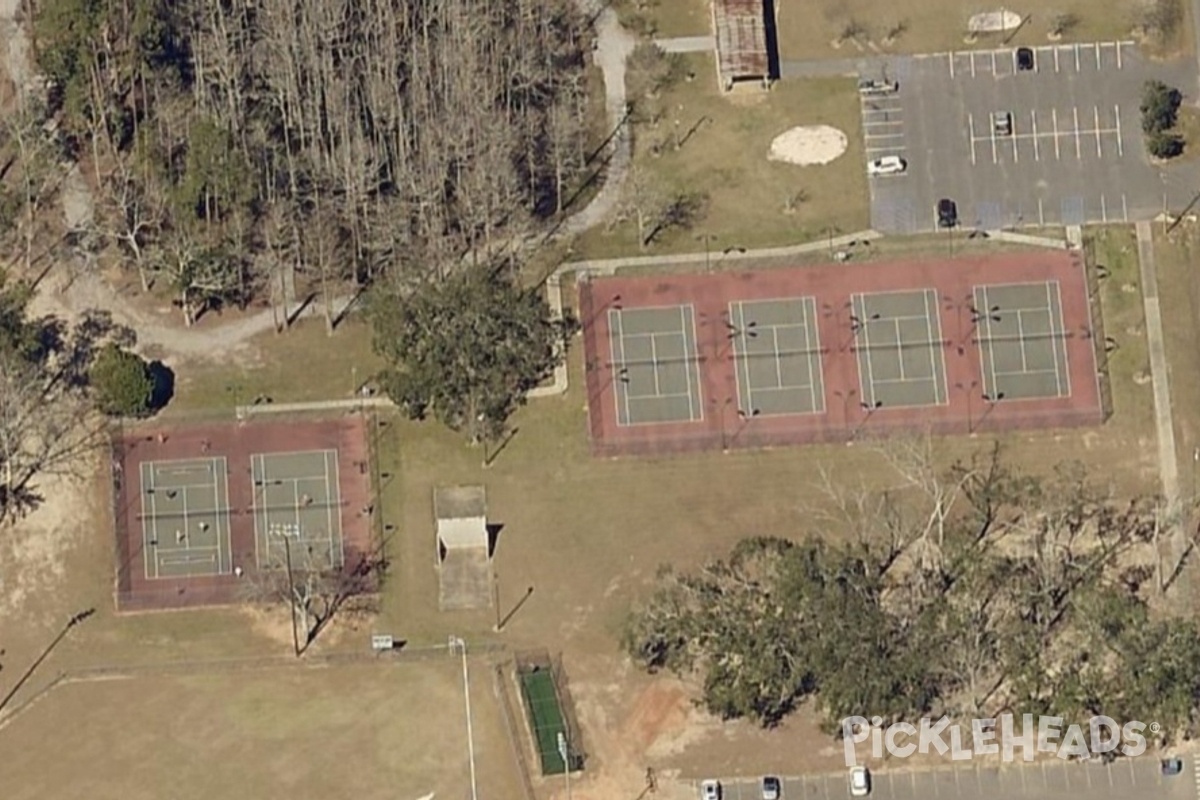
(121, 383)
(1164, 145)
(1160, 107)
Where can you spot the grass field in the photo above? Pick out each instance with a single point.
(372, 731)
(586, 534)
(746, 196)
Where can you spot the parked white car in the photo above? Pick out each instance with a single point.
(888, 165)
(860, 782)
(710, 790)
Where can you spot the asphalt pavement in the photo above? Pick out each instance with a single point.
(1047, 779)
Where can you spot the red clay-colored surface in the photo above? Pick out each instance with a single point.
(237, 442)
(844, 418)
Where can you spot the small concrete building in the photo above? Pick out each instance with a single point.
(463, 554)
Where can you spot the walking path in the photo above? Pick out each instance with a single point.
(1024, 238)
(1168, 465)
(687, 44)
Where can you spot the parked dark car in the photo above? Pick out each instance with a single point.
(1172, 766)
(1024, 59)
(947, 213)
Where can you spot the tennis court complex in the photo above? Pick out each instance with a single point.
(185, 518)
(296, 501)
(656, 374)
(777, 350)
(1022, 341)
(898, 341)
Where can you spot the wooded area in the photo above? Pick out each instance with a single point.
(969, 592)
(242, 148)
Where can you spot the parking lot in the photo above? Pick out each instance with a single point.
(1049, 779)
(1070, 151)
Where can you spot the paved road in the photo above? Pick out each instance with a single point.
(1050, 779)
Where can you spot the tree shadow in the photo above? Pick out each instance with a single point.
(162, 379)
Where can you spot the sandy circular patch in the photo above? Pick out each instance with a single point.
(994, 21)
(808, 145)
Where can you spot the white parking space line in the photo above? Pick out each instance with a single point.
(993, 130)
(994, 64)
(971, 129)
(1077, 69)
(1096, 116)
(1054, 120)
(1117, 113)
(972, 63)
(1078, 151)
(1098, 67)
(1041, 214)
(1103, 210)
(1124, 208)
(1056, 59)
(1033, 122)
(1118, 55)
(951, 59)
(1016, 157)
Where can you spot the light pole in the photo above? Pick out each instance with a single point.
(708, 239)
(565, 752)
(461, 646)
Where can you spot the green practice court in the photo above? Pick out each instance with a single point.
(777, 352)
(296, 499)
(899, 347)
(656, 371)
(546, 719)
(185, 518)
(1022, 341)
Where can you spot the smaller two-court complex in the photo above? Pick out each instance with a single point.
(839, 352)
(200, 510)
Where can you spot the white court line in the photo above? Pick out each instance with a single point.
(1054, 121)
(147, 470)
(742, 359)
(687, 359)
(1096, 116)
(1060, 338)
(930, 318)
(620, 387)
(810, 317)
(859, 306)
(223, 520)
(899, 347)
(987, 355)
(334, 491)
(694, 367)
(971, 128)
(1033, 122)
(1075, 113)
(654, 362)
(778, 359)
(1120, 144)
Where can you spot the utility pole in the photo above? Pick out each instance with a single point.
(287, 551)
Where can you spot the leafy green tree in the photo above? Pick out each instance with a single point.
(1160, 107)
(467, 349)
(1164, 145)
(121, 382)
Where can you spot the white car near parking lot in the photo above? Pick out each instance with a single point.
(860, 782)
(888, 165)
(710, 790)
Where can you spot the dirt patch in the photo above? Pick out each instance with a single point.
(808, 145)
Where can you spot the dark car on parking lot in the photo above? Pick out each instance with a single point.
(947, 213)
(1024, 59)
(1172, 766)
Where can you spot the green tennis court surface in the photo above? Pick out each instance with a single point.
(545, 717)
